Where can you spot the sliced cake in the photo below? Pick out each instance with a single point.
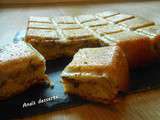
(135, 23)
(40, 19)
(21, 66)
(69, 26)
(106, 14)
(95, 23)
(78, 38)
(119, 18)
(46, 41)
(97, 74)
(107, 29)
(86, 18)
(40, 25)
(64, 20)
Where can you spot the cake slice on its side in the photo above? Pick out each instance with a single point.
(21, 66)
(97, 74)
(135, 23)
(106, 14)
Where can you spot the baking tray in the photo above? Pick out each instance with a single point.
(141, 79)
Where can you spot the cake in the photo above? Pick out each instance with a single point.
(95, 23)
(40, 19)
(78, 38)
(69, 26)
(21, 66)
(107, 29)
(40, 25)
(119, 18)
(135, 23)
(86, 18)
(64, 20)
(65, 35)
(97, 74)
(46, 41)
(106, 14)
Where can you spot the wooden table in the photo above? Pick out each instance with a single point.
(139, 106)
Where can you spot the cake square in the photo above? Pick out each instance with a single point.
(38, 25)
(78, 38)
(136, 47)
(40, 19)
(64, 20)
(95, 23)
(41, 34)
(96, 74)
(78, 34)
(21, 66)
(69, 26)
(136, 23)
(46, 41)
(107, 29)
(119, 18)
(86, 18)
(106, 14)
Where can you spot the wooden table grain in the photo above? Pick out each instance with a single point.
(138, 106)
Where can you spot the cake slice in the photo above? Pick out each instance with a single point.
(119, 18)
(136, 47)
(86, 18)
(96, 74)
(69, 26)
(40, 25)
(21, 66)
(64, 20)
(107, 29)
(40, 19)
(95, 23)
(78, 38)
(106, 14)
(46, 41)
(135, 23)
